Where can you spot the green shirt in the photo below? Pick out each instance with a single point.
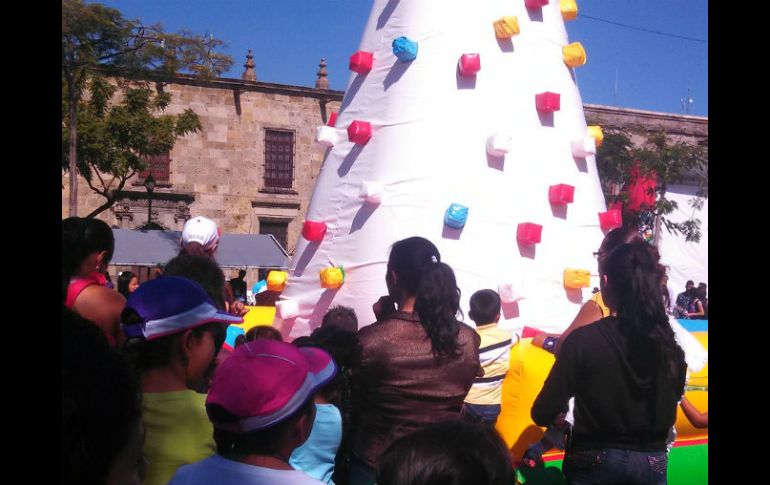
(178, 433)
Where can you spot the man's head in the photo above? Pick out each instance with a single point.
(242, 274)
(485, 307)
(689, 285)
(261, 397)
(342, 317)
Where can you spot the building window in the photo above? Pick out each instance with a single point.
(279, 159)
(159, 167)
(279, 230)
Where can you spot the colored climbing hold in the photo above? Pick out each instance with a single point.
(469, 64)
(326, 136)
(535, 3)
(332, 278)
(287, 309)
(528, 233)
(405, 49)
(361, 62)
(547, 101)
(276, 280)
(595, 132)
(332, 119)
(359, 132)
(574, 279)
(510, 292)
(506, 27)
(499, 144)
(573, 54)
(611, 219)
(561, 194)
(569, 9)
(314, 230)
(456, 216)
(371, 192)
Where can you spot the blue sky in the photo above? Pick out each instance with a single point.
(288, 38)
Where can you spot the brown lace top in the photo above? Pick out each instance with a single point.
(399, 386)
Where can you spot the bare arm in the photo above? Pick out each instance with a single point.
(589, 313)
(696, 418)
(700, 312)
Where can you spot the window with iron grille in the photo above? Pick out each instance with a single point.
(279, 230)
(158, 166)
(279, 159)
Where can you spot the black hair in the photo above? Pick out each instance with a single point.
(241, 273)
(263, 442)
(485, 306)
(204, 271)
(100, 402)
(123, 281)
(419, 272)
(81, 237)
(633, 291)
(263, 332)
(342, 317)
(450, 453)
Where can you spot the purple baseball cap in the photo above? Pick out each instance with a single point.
(169, 305)
(265, 382)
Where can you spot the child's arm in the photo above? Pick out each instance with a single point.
(695, 417)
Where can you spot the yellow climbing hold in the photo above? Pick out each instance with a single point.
(575, 279)
(276, 280)
(595, 132)
(574, 55)
(506, 27)
(332, 278)
(569, 10)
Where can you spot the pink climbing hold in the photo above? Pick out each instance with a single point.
(535, 3)
(469, 64)
(359, 132)
(529, 233)
(332, 119)
(314, 230)
(561, 194)
(548, 101)
(361, 62)
(611, 219)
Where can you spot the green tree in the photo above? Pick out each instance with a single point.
(671, 162)
(97, 41)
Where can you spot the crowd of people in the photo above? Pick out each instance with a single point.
(150, 396)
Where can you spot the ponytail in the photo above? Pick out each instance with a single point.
(437, 303)
(420, 273)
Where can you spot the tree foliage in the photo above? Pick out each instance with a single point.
(97, 42)
(671, 162)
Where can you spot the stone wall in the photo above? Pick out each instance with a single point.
(218, 172)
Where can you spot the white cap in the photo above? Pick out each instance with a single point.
(201, 230)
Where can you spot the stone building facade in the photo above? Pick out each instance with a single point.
(253, 166)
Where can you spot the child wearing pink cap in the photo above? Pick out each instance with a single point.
(261, 406)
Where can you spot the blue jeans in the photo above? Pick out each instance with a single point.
(613, 466)
(481, 413)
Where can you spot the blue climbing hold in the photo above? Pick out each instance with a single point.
(456, 216)
(405, 49)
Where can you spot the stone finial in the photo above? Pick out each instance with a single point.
(249, 74)
(322, 82)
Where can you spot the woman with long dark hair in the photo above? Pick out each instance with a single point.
(86, 249)
(417, 362)
(128, 282)
(626, 373)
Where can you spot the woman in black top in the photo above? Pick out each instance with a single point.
(626, 373)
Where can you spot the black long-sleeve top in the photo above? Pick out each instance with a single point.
(617, 404)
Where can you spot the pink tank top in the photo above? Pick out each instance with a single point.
(78, 285)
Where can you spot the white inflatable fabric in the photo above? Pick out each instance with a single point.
(430, 129)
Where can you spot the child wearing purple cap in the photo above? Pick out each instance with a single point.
(174, 333)
(261, 406)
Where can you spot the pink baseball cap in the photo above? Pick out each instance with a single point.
(265, 382)
(201, 230)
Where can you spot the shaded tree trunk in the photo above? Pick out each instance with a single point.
(73, 133)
